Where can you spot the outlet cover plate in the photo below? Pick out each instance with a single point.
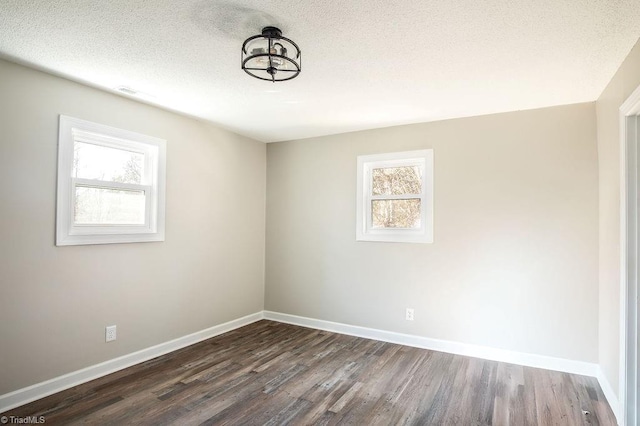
(110, 333)
(409, 314)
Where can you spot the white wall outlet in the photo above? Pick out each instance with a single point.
(110, 333)
(409, 315)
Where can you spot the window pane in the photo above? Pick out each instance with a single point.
(397, 180)
(99, 206)
(105, 163)
(396, 213)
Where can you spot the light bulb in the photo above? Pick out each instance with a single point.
(263, 61)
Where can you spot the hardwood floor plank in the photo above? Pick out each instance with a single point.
(270, 373)
(346, 397)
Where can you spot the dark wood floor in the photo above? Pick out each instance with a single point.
(269, 373)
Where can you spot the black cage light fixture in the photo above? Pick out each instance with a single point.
(269, 56)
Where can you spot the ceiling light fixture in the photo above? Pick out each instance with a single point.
(269, 56)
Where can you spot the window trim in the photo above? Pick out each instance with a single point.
(154, 149)
(366, 163)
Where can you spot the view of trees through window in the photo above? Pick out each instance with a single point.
(396, 211)
(107, 164)
(97, 205)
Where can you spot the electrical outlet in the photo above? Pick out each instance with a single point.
(409, 315)
(110, 333)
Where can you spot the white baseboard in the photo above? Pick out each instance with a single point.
(476, 351)
(40, 390)
(611, 396)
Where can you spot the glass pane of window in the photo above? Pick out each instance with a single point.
(397, 180)
(100, 206)
(105, 163)
(396, 213)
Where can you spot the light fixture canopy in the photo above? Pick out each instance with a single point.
(271, 57)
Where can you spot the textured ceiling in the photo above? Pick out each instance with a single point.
(366, 64)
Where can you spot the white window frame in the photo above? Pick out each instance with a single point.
(366, 163)
(154, 151)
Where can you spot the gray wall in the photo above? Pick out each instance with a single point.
(621, 86)
(514, 264)
(56, 301)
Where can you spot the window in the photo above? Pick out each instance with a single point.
(110, 185)
(395, 197)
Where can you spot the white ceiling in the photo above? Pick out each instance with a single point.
(366, 64)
